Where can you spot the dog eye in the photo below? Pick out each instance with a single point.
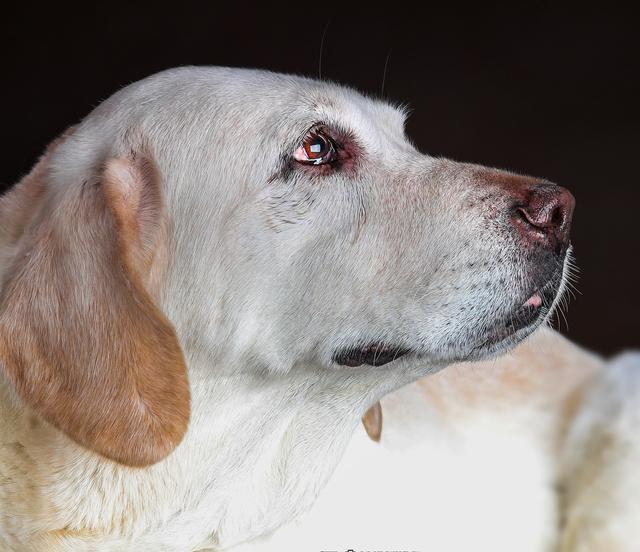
(316, 149)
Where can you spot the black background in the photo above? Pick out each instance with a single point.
(548, 90)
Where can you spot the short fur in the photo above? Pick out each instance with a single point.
(174, 291)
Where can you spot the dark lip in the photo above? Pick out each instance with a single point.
(373, 354)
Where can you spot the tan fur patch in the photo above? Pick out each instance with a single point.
(80, 336)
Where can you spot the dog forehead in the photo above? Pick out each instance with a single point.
(365, 116)
(258, 97)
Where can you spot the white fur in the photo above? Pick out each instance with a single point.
(453, 475)
(269, 275)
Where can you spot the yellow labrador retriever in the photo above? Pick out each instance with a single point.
(207, 283)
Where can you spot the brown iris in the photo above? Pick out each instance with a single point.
(316, 149)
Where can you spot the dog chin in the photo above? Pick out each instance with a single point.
(534, 312)
(496, 349)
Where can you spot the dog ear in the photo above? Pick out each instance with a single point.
(81, 337)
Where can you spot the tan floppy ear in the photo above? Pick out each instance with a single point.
(81, 337)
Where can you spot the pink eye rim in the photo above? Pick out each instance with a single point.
(316, 149)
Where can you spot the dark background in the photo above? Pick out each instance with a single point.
(548, 90)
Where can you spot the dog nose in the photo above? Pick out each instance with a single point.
(544, 218)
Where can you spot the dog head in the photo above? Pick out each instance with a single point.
(259, 221)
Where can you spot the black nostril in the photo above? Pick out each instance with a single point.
(558, 216)
(545, 216)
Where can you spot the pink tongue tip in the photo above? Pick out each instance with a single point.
(534, 301)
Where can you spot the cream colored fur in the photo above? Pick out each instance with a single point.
(536, 451)
(270, 270)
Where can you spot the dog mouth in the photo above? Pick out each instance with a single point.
(372, 354)
(512, 328)
(526, 318)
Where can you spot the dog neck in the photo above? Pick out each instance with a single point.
(258, 450)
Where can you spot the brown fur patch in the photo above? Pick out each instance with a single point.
(81, 338)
